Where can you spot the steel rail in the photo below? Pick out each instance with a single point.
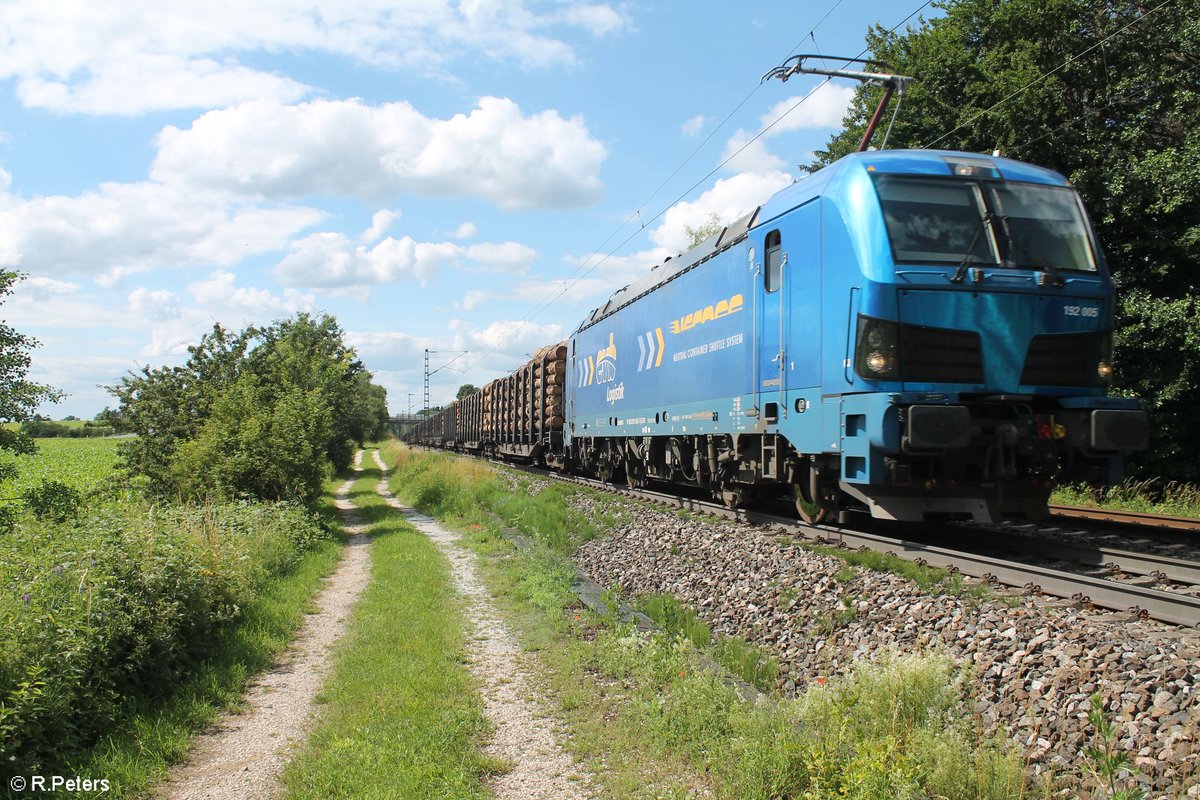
(1141, 601)
(1178, 609)
(1179, 570)
(1127, 518)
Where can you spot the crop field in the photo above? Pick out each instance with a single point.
(82, 464)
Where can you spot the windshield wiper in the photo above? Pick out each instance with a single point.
(1010, 246)
(961, 271)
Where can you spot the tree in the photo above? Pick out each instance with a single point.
(374, 410)
(267, 412)
(712, 227)
(166, 406)
(19, 397)
(466, 390)
(1104, 92)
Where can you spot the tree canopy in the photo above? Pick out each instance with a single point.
(265, 413)
(19, 396)
(1106, 92)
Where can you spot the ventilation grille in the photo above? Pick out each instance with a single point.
(1063, 359)
(940, 355)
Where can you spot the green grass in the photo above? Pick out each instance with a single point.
(747, 661)
(1146, 496)
(652, 724)
(400, 713)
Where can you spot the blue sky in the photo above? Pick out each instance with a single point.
(452, 176)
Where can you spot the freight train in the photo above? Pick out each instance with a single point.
(914, 334)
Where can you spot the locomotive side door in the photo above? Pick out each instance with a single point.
(770, 358)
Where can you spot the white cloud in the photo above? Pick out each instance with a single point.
(44, 288)
(746, 155)
(599, 19)
(220, 292)
(509, 258)
(331, 260)
(348, 148)
(471, 300)
(729, 198)
(142, 83)
(127, 57)
(823, 107)
(156, 304)
(501, 345)
(464, 231)
(123, 228)
(380, 222)
(390, 350)
(29, 309)
(82, 377)
(694, 125)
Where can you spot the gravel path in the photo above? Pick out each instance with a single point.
(524, 735)
(244, 754)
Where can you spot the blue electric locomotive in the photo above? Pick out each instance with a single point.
(915, 333)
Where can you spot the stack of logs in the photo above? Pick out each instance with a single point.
(530, 401)
(549, 368)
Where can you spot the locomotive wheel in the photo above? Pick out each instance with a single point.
(810, 511)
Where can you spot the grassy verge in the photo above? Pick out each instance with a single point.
(1148, 497)
(134, 624)
(650, 723)
(400, 716)
(154, 736)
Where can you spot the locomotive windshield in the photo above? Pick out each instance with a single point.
(948, 220)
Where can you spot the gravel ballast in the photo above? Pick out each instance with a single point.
(1035, 662)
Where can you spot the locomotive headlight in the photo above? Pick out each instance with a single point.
(1104, 365)
(876, 355)
(878, 363)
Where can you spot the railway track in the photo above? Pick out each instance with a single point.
(1140, 597)
(1128, 518)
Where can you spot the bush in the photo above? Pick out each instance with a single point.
(117, 606)
(53, 500)
(43, 429)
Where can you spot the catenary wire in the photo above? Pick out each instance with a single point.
(571, 280)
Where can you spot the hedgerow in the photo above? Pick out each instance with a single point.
(117, 605)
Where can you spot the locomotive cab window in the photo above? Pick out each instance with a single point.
(954, 220)
(773, 275)
(936, 221)
(1045, 225)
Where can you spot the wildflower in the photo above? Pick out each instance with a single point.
(58, 570)
(681, 673)
(25, 597)
(820, 681)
